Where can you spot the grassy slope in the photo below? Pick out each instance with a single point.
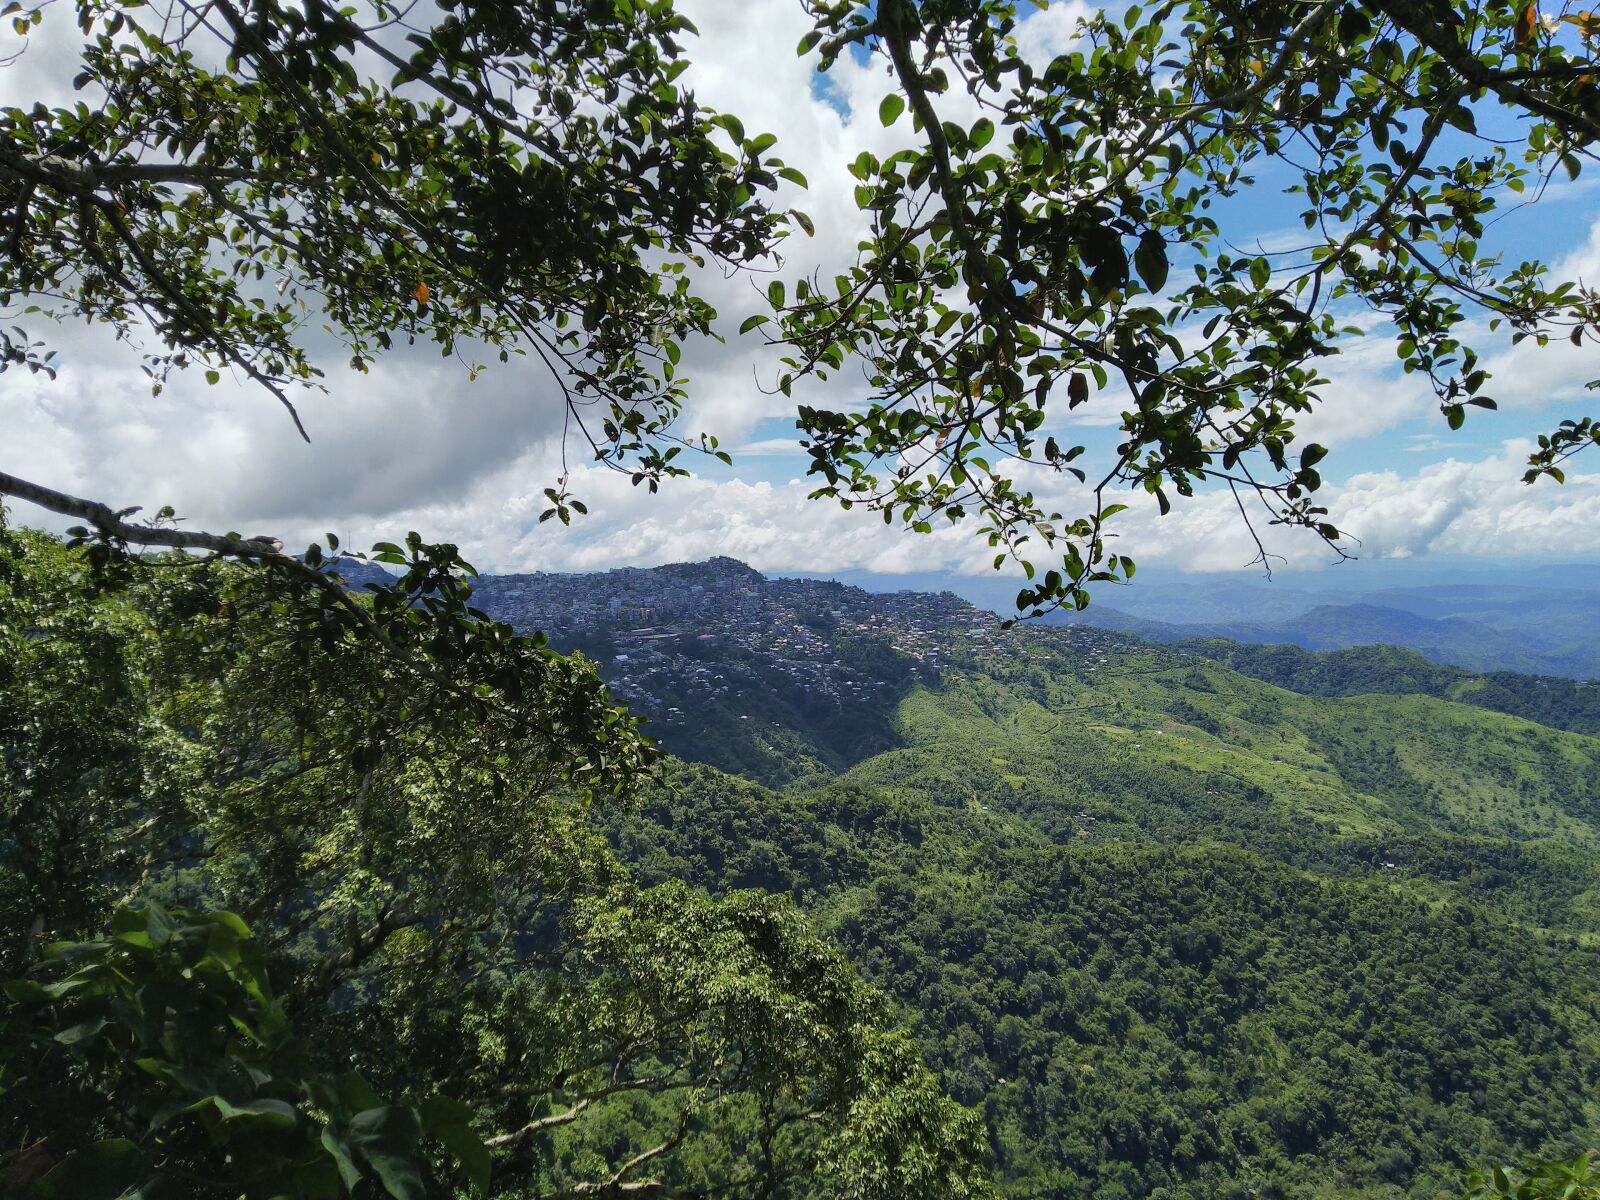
(1149, 747)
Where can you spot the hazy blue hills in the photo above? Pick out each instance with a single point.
(1538, 633)
(1482, 616)
(1458, 641)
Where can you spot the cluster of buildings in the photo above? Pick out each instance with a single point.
(695, 633)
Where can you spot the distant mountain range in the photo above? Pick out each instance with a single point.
(1537, 632)
(1544, 621)
(1535, 622)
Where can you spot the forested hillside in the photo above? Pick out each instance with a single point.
(1548, 699)
(291, 908)
(1182, 932)
(1169, 930)
(1197, 1019)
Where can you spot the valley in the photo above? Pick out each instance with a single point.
(1174, 929)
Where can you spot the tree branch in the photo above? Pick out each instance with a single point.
(1418, 19)
(109, 524)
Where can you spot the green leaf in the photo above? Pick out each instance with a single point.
(387, 1139)
(343, 1158)
(891, 107)
(275, 1113)
(81, 1032)
(102, 1171)
(1150, 260)
(451, 1122)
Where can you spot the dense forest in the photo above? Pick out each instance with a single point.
(1182, 933)
(1185, 1021)
(289, 911)
(1095, 917)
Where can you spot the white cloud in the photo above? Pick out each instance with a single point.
(1052, 32)
(1533, 376)
(1452, 507)
(1472, 507)
(411, 431)
(414, 445)
(1467, 507)
(1366, 394)
(768, 447)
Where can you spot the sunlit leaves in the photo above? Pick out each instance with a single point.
(530, 180)
(1576, 1179)
(1039, 246)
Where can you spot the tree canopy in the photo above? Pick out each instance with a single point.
(287, 916)
(1043, 252)
(534, 179)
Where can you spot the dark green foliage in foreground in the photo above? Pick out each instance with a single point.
(171, 1024)
(406, 826)
(1574, 1180)
(1548, 699)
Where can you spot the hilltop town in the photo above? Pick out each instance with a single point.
(701, 630)
(740, 670)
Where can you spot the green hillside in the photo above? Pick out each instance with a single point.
(1549, 699)
(1196, 1018)
(1183, 933)
(1170, 930)
(1146, 746)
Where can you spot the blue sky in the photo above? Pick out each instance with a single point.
(415, 446)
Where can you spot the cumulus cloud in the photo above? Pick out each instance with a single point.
(1051, 32)
(1458, 507)
(1453, 507)
(415, 446)
(1472, 507)
(1366, 394)
(411, 431)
